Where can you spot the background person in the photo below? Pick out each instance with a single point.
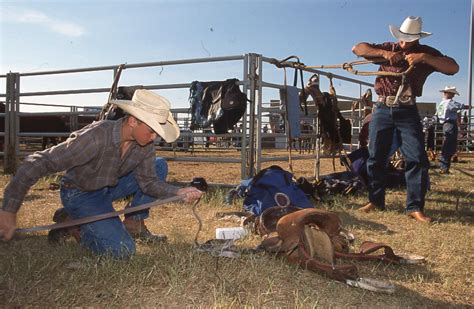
(105, 161)
(401, 115)
(447, 113)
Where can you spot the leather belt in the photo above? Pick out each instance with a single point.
(391, 102)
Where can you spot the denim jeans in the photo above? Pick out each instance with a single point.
(109, 236)
(450, 143)
(406, 120)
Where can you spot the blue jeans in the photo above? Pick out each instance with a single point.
(406, 120)
(450, 143)
(109, 236)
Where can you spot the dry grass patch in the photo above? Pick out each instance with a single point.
(35, 273)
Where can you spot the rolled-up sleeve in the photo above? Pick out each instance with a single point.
(147, 179)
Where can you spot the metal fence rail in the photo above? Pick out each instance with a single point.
(250, 137)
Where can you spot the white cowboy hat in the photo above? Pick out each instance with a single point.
(450, 89)
(152, 109)
(410, 30)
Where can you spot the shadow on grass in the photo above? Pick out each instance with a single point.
(447, 215)
(349, 219)
(453, 202)
(463, 171)
(182, 261)
(29, 197)
(454, 192)
(424, 301)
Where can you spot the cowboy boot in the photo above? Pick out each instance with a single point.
(455, 158)
(138, 230)
(61, 235)
(420, 216)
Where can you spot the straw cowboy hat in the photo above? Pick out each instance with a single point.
(410, 30)
(450, 89)
(152, 109)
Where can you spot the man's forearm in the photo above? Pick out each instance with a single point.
(367, 51)
(443, 64)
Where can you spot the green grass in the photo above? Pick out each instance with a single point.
(36, 273)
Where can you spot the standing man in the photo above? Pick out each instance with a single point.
(396, 109)
(447, 113)
(105, 161)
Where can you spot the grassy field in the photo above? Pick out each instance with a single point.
(36, 273)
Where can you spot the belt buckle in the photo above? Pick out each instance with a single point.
(405, 100)
(391, 102)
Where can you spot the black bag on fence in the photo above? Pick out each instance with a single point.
(220, 103)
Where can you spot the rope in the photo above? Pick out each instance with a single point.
(348, 66)
(290, 139)
(199, 222)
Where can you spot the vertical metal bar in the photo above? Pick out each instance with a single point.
(11, 108)
(317, 162)
(318, 147)
(252, 73)
(258, 132)
(243, 138)
(6, 135)
(16, 124)
(74, 122)
(359, 120)
(469, 81)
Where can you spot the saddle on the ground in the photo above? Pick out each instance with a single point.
(314, 239)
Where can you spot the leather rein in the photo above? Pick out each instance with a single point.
(100, 216)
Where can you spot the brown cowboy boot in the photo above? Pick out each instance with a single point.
(419, 216)
(455, 158)
(368, 208)
(61, 235)
(138, 230)
(431, 155)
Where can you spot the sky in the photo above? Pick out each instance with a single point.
(65, 34)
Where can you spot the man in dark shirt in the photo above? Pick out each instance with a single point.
(105, 161)
(396, 109)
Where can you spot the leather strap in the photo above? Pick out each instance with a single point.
(338, 272)
(369, 247)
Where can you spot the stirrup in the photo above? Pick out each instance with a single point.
(373, 285)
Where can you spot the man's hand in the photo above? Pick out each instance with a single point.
(191, 194)
(7, 225)
(415, 58)
(393, 57)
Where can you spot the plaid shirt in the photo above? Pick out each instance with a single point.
(91, 159)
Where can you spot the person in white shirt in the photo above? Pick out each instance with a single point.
(447, 113)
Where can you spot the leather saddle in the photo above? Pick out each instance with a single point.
(314, 239)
